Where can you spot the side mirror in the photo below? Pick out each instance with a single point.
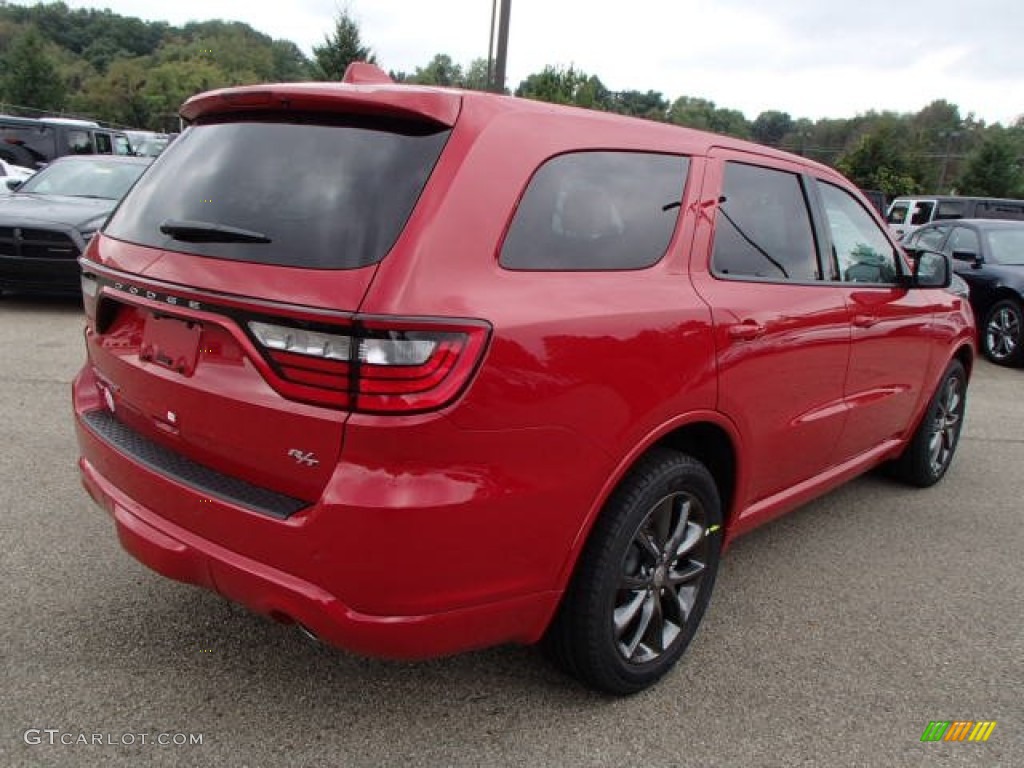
(931, 269)
(13, 184)
(975, 259)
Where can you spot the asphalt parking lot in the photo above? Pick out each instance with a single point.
(835, 635)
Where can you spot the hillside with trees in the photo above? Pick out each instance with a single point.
(129, 72)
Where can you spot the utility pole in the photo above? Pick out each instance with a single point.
(496, 73)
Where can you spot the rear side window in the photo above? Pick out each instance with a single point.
(597, 211)
(950, 209)
(922, 213)
(763, 228)
(307, 194)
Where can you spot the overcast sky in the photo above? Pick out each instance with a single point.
(810, 58)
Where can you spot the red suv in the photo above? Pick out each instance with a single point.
(424, 371)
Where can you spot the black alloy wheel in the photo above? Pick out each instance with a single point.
(644, 578)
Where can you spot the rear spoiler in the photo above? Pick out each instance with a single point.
(366, 90)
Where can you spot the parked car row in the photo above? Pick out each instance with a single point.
(988, 255)
(33, 142)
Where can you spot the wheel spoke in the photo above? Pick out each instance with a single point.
(624, 614)
(693, 569)
(648, 602)
(682, 523)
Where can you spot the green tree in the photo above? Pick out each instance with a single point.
(440, 71)
(651, 105)
(475, 75)
(117, 95)
(703, 115)
(341, 49)
(881, 161)
(561, 85)
(30, 75)
(770, 127)
(994, 168)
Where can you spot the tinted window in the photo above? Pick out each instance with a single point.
(79, 143)
(922, 213)
(329, 196)
(103, 145)
(999, 211)
(950, 209)
(597, 210)
(763, 228)
(1006, 246)
(862, 252)
(963, 239)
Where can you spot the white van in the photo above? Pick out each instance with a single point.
(908, 213)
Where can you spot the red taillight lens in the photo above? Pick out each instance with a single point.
(374, 365)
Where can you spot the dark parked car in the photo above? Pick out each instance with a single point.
(496, 370)
(989, 256)
(48, 220)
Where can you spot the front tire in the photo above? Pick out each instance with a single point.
(931, 449)
(644, 578)
(1001, 336)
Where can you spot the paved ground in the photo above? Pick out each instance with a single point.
(835, 634)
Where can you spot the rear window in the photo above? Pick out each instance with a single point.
(597, 211)
(325, 195)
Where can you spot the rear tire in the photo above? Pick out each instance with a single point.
(644, 578)
(931, 449)
(1002, 335)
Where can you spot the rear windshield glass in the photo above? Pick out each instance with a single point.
(317, 195)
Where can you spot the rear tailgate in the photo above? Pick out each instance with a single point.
(269, 216)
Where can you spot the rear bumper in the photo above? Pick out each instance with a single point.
(181, 555)
(461, 544)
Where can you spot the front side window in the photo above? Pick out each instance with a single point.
(103, 145)
(862, 252)
(302, 191)
(898, 212)
(964, 240)
(931, 237)
(763, 228)
(597, 211)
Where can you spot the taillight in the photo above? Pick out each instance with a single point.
(374, 365)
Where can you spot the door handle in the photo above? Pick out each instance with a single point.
(864, 321)
(748, 330)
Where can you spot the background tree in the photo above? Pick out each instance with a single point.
(475, 75)
(880, 160)
(341, 49)
(441, 70)
(994, 168)
(30, 76)
(769, 127)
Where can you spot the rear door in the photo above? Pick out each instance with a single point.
(781, 331)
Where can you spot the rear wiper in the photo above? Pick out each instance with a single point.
(205, 232)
